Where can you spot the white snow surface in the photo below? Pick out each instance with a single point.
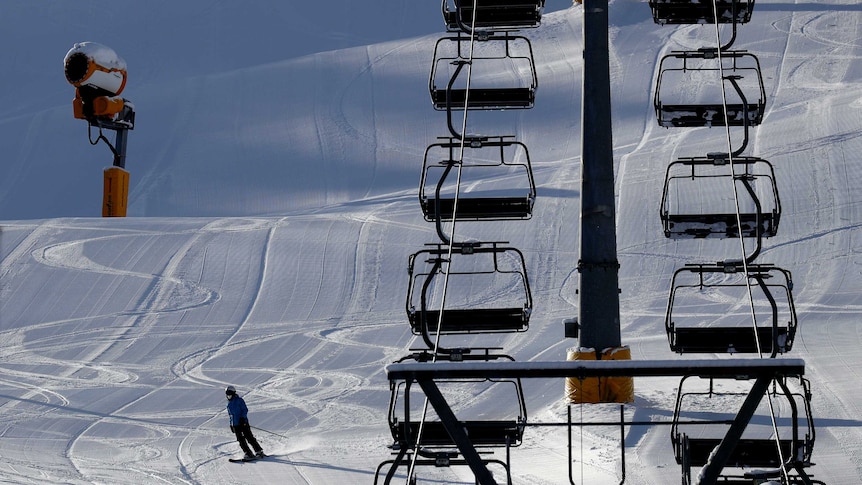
(273, 205)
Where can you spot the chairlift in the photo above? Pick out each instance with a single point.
(414, 431)
(492, 14)
(495, 170)
(681, 70)
(487, 290)
(507, 432)
(503, 72)
(709, 309)
(686, 12)
(756, 457)
(694, 205)
(404, 422)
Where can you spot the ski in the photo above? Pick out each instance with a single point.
(246, 460)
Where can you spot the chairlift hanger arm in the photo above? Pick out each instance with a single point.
(733, 80)
(758, 227)
(438, 211)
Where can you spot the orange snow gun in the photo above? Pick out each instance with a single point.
(99, 76)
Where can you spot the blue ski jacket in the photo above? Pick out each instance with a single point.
(237, 410)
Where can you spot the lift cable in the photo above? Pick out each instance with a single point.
(739, 224)
(451, 237)
(730, 155)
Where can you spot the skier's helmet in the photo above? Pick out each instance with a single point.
(230, 392)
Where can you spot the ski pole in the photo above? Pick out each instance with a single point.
(270, 432)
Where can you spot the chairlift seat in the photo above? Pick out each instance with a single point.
(728, 340)
(747, 453)
(485, 98)
(495, 14)
(702, 115)
(478, 320)
(687, 12)
(483, 434)
(479, 208)
(682, 226)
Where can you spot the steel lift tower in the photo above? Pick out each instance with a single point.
(599, 301)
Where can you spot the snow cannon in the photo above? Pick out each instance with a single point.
(95, 66)
(99, 76)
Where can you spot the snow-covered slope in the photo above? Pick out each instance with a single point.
(275, 166)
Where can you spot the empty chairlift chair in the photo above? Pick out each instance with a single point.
(430, 439)
(505, 432)
(709, 309)
(685, 12)
(678, 105)
(492, 14)
(697, 201)
(502, 72)
(487, 290)
(496, 180)
(706, 407)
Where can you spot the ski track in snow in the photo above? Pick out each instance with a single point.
(159, 300)
(310, 400)
(69, 255)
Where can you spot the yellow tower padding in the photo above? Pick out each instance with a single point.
(582, 391)
(619, 389)
(593, 390)
(116, 195)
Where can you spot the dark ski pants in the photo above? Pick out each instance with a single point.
(245, 438)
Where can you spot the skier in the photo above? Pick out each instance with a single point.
(238, 412)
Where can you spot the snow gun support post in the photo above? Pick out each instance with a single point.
(99, 76)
